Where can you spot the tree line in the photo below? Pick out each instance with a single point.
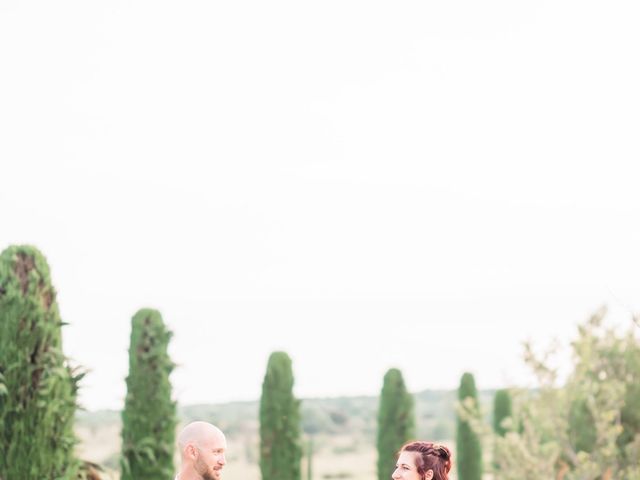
(587, 428)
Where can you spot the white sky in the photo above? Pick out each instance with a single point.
(363, 184)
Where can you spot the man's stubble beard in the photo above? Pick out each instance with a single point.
(205, 472)
(209, 476)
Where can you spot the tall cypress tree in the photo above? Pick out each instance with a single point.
(280, 431)
(37, 387)
(396, 421)
(501, 410)
(468, 448)
(149, 416)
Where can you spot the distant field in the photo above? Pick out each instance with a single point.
(337, 457)
(343, 430)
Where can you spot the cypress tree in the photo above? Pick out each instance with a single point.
(501, 410)
(149, 416)
(37, 387)
(280, 432)
(396, 421)
(468, 448)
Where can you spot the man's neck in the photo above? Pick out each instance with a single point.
(188, 474)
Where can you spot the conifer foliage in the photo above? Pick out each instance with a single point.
(37, 387)
(280, 430)
(468, 447)
(501, 410)
(149, 417)
(396, 421)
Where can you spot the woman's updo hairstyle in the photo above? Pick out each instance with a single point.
(430, 456)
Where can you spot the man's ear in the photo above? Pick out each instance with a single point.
(191, 450)
(428, 475)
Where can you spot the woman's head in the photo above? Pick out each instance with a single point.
(423, 461)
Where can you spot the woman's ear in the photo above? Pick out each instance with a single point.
(428, 475)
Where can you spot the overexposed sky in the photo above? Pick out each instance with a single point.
(362, 184)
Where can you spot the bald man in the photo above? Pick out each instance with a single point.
(202, 448)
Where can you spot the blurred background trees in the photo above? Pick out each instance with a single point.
(37, 385)
(396, 421)
(501, 411)
(585, 429)
(280, 423)
(149, 416)
(468, 447)
(582, 424)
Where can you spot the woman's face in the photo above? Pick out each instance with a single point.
(406, 468)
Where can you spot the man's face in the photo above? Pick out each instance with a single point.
(210, 459)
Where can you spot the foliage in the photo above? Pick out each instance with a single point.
(149, 417)
(280, 430)
(586, 429)
(501, 411)
(37, 387)
(396, 421)
(468, 447)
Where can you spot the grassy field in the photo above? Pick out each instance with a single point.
(343, 431)
(336, 457)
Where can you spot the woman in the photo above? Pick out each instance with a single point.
(423, 461)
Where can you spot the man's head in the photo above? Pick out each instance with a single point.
(202, 447)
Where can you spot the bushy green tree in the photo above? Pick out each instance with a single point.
(468, 447)
(629, 357)
(37, 387)
(280, 424)
(396, 421)
(501, 411)
(586, 427)
(149, 416)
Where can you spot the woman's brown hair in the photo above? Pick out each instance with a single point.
(430, 456)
